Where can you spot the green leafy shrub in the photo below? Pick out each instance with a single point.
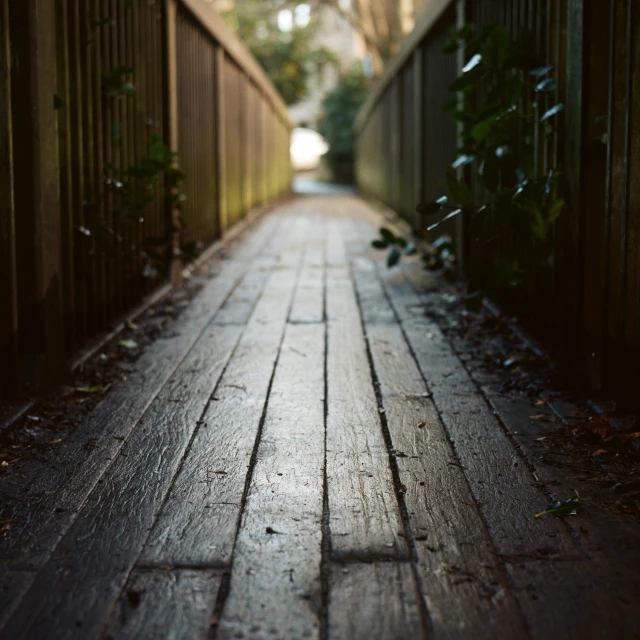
(504, 105)
(337, 125)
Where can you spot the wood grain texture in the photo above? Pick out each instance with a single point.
(498, 476)
(13, 585)
(456, 559)
(364, 513)
(275, 586)
(173, 605)
(378, 601)
(47, 506)
(543, 561)
(77, 587)
(457, 563)
(199, 520)
(308, 303)
(608, 538)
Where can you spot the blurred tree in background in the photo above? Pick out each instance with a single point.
(287, 53)
(340, 109)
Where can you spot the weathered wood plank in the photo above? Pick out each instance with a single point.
(78, 585)
(308, 302)
(548, 568)
(378, 601)
(46, 507)
(239, 306)
(610, 539)
(498, 476)
(174, 605)
(365, 517)
(13, 585)
(198, 523)
(335, 250)
(457, 563)
(275, 585)
(465, 587)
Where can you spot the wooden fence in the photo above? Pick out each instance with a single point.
(94, 97)
(591, 305)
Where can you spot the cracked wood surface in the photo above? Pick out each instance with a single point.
(305, 455)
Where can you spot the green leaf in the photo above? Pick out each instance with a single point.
(481, 131)
(560, 509)
(552, 112)
(387, 235)
(555, 209)
(463, 160)
(410, 249)
(538, 72)
(466, 79)
(454, 213)
(96, 388)
(58, 102)
(548, 84)
(459, 190)
(379, 244)
(474, 62)
(394, 257)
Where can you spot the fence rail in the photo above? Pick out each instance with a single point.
(592, 302)
(94, 97)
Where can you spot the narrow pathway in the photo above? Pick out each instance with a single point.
(305, 456)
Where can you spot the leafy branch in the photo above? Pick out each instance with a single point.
(500, 101)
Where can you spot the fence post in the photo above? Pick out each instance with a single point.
(171, 69)
(37, 195)
(8, 284)
(221, 141)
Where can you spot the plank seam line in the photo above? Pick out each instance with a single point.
(147, 567)
(325, 527)
(194, 434)
(224, 588)
(500, 562)
(427, 623)
(122, 444)
(514, 443)
(171, 484)
(240, 277)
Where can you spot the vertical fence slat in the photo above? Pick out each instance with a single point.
(8, 281)
(72, 263)
(36, 192)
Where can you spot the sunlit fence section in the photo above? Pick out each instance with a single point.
(131, 132)
(590, 302)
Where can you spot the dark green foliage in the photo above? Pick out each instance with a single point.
(396, 245)
(504, 106)
(337, 125)
(288, 58)
(290, 61)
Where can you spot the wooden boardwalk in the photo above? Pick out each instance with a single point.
(304, 456)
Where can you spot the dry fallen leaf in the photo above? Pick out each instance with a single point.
(597, 453)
